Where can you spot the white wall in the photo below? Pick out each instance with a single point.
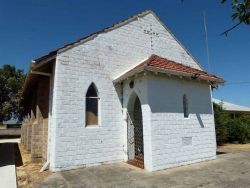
(100, 60)
(169, 126)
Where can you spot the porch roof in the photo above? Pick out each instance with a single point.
(159, 64)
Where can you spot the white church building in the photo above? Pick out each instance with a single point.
(128, 93)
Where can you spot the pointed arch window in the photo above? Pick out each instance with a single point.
(185, 106)
(92, 103)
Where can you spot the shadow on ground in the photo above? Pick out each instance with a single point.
(221, 152)
(6, 154)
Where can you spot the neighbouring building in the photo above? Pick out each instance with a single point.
(130, 92)
(235, 110)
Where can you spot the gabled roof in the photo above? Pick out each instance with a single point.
(51, 56)
(93, 35)
(162, 65)
(53, 53)
(230, 106)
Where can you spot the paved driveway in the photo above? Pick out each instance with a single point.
(228, 170)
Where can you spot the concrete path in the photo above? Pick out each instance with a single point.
(7, 163)
(230, 169)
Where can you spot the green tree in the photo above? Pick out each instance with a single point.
(221, 119)
(241, 13)
(231, 130)
(11, 83)
(239, 130)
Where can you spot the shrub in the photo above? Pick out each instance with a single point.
(221, 119)
(231, 130)
(221, 134)
(239, 131)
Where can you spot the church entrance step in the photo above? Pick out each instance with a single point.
(138, 161)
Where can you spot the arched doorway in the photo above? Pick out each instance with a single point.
(135, 132)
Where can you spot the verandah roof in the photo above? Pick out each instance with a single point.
(159, 64)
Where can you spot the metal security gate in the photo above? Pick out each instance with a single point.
(135, 136)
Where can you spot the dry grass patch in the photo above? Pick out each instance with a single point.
(27, 171)
(241, 147)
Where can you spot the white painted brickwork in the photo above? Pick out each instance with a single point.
(100, 60)
(169, 126)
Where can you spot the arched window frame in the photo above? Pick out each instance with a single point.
(185, 106)
(88, 124)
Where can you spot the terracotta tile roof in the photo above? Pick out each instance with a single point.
(161, 63)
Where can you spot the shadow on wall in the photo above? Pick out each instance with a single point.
(172, 102)
(167, 95)
(200, 120)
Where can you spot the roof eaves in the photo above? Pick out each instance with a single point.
(34, 65)
(129, 74)
(26, 80)
(144, 67)
(176, 73)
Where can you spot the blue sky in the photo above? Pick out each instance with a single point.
(30, 29)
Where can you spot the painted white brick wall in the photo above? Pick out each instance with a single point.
(169, 126)
(100, 60)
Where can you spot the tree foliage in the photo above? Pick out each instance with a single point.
(239, 130)
(231, 130)
(11, 83)
(221, 119)
(241, 13)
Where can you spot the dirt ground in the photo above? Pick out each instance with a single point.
(240, 147)
(28, 172)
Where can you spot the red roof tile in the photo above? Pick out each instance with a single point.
(161, 63)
